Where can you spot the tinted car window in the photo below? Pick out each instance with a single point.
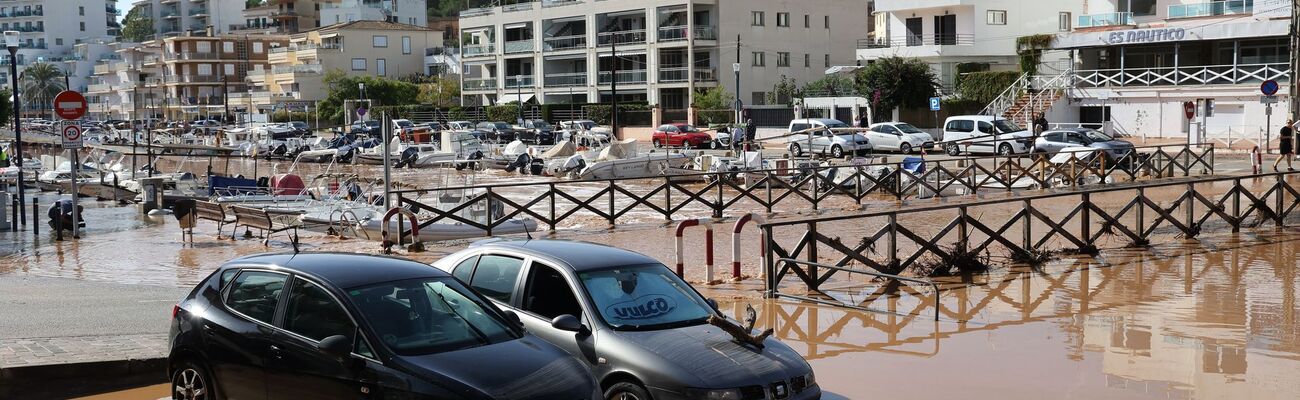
(798, 127)
(465, 269)
(1054, 137)
(495, 277)
(961, 125)
(986, 127)
(312, 313)
(255, 294)
(548, 294)
(425, 316)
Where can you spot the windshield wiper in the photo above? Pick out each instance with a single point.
(477, 333)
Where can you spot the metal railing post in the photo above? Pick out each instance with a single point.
(553, 221)
(36, 222)
(767, 183)
(1026, 234)
(489, 211)
(611, 203)
(1236, 205)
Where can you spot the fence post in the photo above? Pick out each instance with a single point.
(36, 210)
(1191, 209)
(1026, 233)
(1236, 205)
(769, 263)
(1086, 218)
(668, 199)
(553, 221)
(611, 203)
(13, 209)
(894, 262)
(962, 235)
(767, 184)
(717, 207)
(812, 256)
(489, 211)
(1277, 208)
(1141, 212)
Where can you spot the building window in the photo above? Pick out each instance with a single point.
(1064, 22)
(83, 26)
(230, 69)
(205, 69)
(807, 21)
(380, 41)
(997, 17)
(827, 60)
(406, 45)
(758, 18)
(81, 10)
(257, 47)
(807, 60)
(381, 67)
(827, 21)
(759, 59)
(358, 64)
(782, 59)
(758, 98)
(58, 41)
(783, 20)
(228, 47)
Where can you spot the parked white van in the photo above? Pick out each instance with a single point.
(985, 134)
(831, 140)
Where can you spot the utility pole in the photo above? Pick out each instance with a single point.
(1295, 46)
(613, 86)
(737, 70)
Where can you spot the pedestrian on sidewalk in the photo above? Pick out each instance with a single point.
(1040, 124)
(1286, 145)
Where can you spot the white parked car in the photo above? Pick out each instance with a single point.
(985, 134)
(830, 140)
(898, 136)
(585, 132)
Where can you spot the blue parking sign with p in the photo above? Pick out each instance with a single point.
(934, 104)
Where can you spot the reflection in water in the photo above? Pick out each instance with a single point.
(1215, 319)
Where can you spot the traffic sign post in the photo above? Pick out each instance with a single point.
(71, 106)
(1269, 89)
(935, 104)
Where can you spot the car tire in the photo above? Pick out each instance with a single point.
(657, 144)
(626, 391)
(191, 381)
(905, 148)
(1004, 149)
(795, 150)
(837, 151)
(951, 149)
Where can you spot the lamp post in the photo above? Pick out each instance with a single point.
(11, 43)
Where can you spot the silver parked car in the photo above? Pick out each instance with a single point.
(642, 330)
(1057, 140)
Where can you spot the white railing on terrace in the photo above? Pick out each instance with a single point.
(672, 33)
(473, 50)
(480, 84)
(519, 46)
(706, 75)
(315, 69)
(1211, 8)
(621, 37)
(629, 76)
(1105, 19)
(1185, 75)
(517, 7)
(566, 42)
(674, 74)
(521, 81)
(566, 79)
(559, 3)
(474, 12)
(956, 39)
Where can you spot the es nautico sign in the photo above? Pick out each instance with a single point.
(1145, 36)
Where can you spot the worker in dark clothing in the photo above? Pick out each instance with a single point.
(751, 133)
(1040, 124)
(1286, 146)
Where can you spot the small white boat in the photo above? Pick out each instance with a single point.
(620, 160)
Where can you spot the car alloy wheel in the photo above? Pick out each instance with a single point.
(1004, 149)
(658, 144)
(626, 391)
(951, 149)
(905, 148)
(837, 151)
(190, 384)
(796, 150)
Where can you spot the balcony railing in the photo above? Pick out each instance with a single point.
(519, 46)
(99, 87)
(192, 56)
(1105, 19)
(568, 79)
(521, 81)
(198, 11)
(706, 75)
(918, 40)
(480, 84)
(192, 79)
(674, 74)
(706, 33)
(559, 3)
(1183, 76)
(517, 7)
(304, 69)
(1211, 8)
(477, 50)
(629, 76)
(636, 36)
(672, 33)
(170, 13)
(566, 42)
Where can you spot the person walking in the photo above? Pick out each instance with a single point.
(1286, 145)
(1040, 124)
(751, 133)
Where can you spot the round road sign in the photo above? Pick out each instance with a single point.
(70, 105)
(1269, 87)
(71, 133)
(361, 112)
(1189, 108)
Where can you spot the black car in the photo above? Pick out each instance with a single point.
(643, 331)
(496, 132)
(537, 131)
(371, 128)
(347, 326)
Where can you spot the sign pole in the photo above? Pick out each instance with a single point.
(76, 175)
(1268, 88)
(71, 106)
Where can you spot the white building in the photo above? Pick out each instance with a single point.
(410, 12)
(50, 28)
(118, 79)
(175, 17)
(561, 51)
(1140, 60)
(944, 33)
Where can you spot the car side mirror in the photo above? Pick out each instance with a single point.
(712, 304)
(513, 317)
(569, 323)
(337, 346)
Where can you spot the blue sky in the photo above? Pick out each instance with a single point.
(124, 5)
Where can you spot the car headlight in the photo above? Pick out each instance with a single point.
(810, 380)
(713, 394)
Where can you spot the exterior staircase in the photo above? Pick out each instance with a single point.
(1029, 96)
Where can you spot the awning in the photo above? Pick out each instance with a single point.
(515, 25)
(1173, 33)
(509, 98)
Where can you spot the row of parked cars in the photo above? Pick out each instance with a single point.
(531, 131)
(537, 319)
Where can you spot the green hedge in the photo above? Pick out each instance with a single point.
(504, 112)
(600, 112)
(983, 87)
(286, 116)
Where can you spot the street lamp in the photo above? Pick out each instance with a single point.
(11, 43)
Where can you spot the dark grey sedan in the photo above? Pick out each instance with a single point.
(642, 330)
(1057, 140)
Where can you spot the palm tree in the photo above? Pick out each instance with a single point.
(40, 83)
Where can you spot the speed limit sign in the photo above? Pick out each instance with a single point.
(72, 137)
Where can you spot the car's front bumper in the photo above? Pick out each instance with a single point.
(813, 392)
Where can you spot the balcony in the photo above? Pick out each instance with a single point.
(193, 79)
(478, 50)
(170, 13)
(559, 43)
(300, 70)
(570, 79)
(480, 84)
(517, 7)
(706, 75)
(559, 3)
(918, 40)
(1210, 9)
(99, 88)
(634, 76)
(1250, 74)
(636, 36)
(23, 13)
(520, 81)
(112, 10)
(674, 74)
(198, 11)
(519, 46)
(1105, 19)
(192, 56)
(678, 33)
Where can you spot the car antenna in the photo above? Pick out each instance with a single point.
(528, 232)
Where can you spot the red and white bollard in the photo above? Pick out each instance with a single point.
(735, 243)
(1256, 160)
(708, 243)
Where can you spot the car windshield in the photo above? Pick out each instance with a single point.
(586, 124)
(686, 128)
(501, 125)
(908, 128)
(1097, 136)
(372, 124)
(1006, 126)
(404, 124)
(432, 315)
(541, 125)
(836, 124)
(644, 297)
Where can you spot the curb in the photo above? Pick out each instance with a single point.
(74, 379)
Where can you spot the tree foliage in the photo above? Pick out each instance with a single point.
(715, 98)
(1030, 48)
(440, 91)
(380, 90)
(984, 87)
(783, 92)
(136, 26)
(40, 83)
(900, 82)
(6, 108)
(830, 86)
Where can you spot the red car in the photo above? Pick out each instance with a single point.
(680, 135)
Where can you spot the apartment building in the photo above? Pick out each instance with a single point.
(561, 51)
(294, 16)
(50, 28)
(175, 17)
(373, 48)
(947, 33)
(199, 73)
(1136, 62)
(117, 86)
(410, 12)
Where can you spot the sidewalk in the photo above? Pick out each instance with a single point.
(16, 353)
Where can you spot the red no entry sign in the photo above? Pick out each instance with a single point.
(1189, 108)
(70, 105)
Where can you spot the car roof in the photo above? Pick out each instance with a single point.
(344, 270)
(579, 256)
(986, 118)
(821, 120)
